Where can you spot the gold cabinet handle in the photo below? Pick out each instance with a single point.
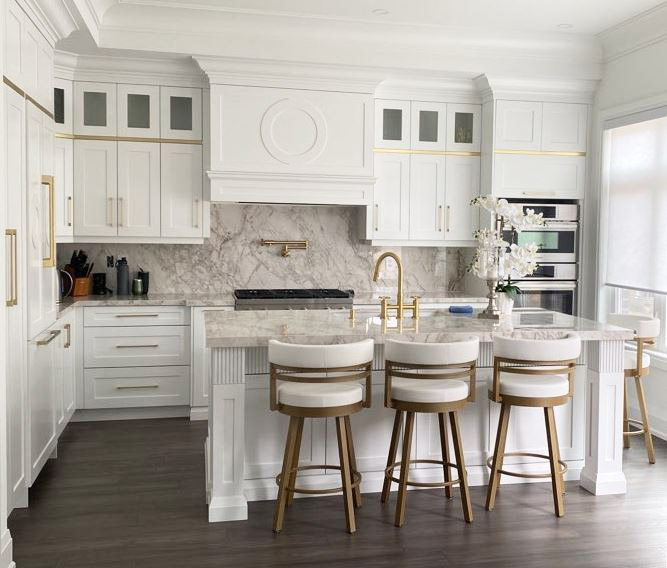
(138, 387)
(50, 260)
(13, 269)
(447, 218)
(110, 211)
(121, 216)
(70, 210)
(376, 215)
(135, 346)
(137, 315)
(68, 341)
(53, 334)
(440, 218)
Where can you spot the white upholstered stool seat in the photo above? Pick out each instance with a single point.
(630, 360)
(434, 390)
(319, 395)
(541, 386)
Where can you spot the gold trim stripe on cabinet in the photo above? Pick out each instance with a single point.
(26, 96)
(126, 139)
(428, 152)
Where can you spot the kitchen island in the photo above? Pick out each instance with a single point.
(245, 439)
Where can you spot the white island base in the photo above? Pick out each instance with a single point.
(245, 445)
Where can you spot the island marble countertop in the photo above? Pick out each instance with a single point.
(256, 328)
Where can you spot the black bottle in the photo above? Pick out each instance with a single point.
(122, 277)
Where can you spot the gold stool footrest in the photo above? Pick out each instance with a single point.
(389, 471)
(637, 423)
(356, 480)
(563, 465)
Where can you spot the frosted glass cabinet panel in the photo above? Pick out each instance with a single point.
(94, 108)
(464, 127)
(428, 126)
(62, 105)
(181, 115)
(392, 124)
(139, 111)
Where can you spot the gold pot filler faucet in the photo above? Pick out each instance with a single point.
(385, 306)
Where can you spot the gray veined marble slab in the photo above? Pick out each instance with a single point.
(255, 329)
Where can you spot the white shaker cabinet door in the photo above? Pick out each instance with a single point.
(94, 108)
(181, 113)
(564, 127)
(428, 126)
(464, 127)
(427, 197)
(95, 188)
(391, 196)
(69, 365)
(181, 198)
(392, 124)
(463, 185)
(139, 111)
(138, 189)
(518, 125)
(63, 166)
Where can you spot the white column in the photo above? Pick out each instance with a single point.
(603, 472)
(226, 437)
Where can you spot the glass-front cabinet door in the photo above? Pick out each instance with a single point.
(392, 124)
(181, 114)
(62, 105)
(464, 127)
(428, 126)
(139, 111)
(94, 108)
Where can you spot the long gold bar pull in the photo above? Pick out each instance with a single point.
(447, 218)
(13, 265)
(70, 210)
(440, 218)
(50, 261)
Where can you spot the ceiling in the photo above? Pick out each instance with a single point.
(581, 16)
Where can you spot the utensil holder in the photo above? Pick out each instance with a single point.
(81, 286)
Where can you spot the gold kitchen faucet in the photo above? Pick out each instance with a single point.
(385, 306)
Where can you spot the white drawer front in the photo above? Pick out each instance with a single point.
(124, 316)
(136, 346)
(137, 387)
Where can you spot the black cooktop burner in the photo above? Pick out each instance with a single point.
(292, 294)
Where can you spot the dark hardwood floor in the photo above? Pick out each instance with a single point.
(131, 494)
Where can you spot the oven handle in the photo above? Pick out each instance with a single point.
(538, 286)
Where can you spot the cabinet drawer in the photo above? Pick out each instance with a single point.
(126, 316)
(136, 346)
(136, 387)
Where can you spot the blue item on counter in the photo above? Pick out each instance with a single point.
(460, 309)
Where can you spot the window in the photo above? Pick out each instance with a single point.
(627, 301)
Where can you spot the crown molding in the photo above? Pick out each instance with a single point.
(491, 87)
(269, 73)
(636, 33)
(455, 89)
(56, 19)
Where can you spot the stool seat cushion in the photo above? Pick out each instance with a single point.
(534, 386)
(428, 390)
(630, 360)
(319, 395)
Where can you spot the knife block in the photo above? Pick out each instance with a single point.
(81, 287)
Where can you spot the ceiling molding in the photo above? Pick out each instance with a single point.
(492, 87)
(636, 33)
(56, 19)
(430, 89)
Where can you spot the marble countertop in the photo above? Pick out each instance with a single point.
(255, 328)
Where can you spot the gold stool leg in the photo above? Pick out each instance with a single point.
(295, 462)
(626, 423)
(556, 478)
(405, 469)
(641, 398)
(356, 492)
(288, 459)
(391, 457)
(346, 477)
(463, 474)
(501, 438)
(444, 444)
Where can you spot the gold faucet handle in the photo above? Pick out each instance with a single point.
(415, 306)
(384, 306)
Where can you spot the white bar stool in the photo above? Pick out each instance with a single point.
(637, 365)
(315, 381)
(426, 377)
(537, 373)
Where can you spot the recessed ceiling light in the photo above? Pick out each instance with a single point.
(380, 12)
(565, 26)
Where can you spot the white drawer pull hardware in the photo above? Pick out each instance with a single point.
(68, 329)
(54, 333)
(139, 387)
(134, 346)
(137, 315)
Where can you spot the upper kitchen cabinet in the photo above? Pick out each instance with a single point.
(464, 127)
(138, 111)
(428, 126)
(182, 206)
(94, 108)
(62, 106)
(564, 127)
(63, 173)
(518, 125)
(390, 213)
(427, 197)
(462, 175)
(392, 124)
(181, 113)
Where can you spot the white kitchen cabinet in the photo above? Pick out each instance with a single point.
(94, 108)
(138, 189)
(564, 127)
(15, 22)
(125, 316)
(428, 126)
(138, 110)
(390, 215)
(69, 342)
(181, 113)
(392, 124)
(181, 195)
(464, 127)
(518, 125)
(546, 176)
(463, 184)
(427, 197)
(63, 168)
(62, 106)
(95, 188)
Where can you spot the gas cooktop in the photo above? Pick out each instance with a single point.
(292, 298)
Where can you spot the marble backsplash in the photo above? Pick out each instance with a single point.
(234, 258)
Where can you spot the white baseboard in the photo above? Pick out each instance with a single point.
(100, 414)
(657, 423)
(199, 413)
(6, 550)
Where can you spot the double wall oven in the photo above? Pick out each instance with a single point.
(553, 286)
